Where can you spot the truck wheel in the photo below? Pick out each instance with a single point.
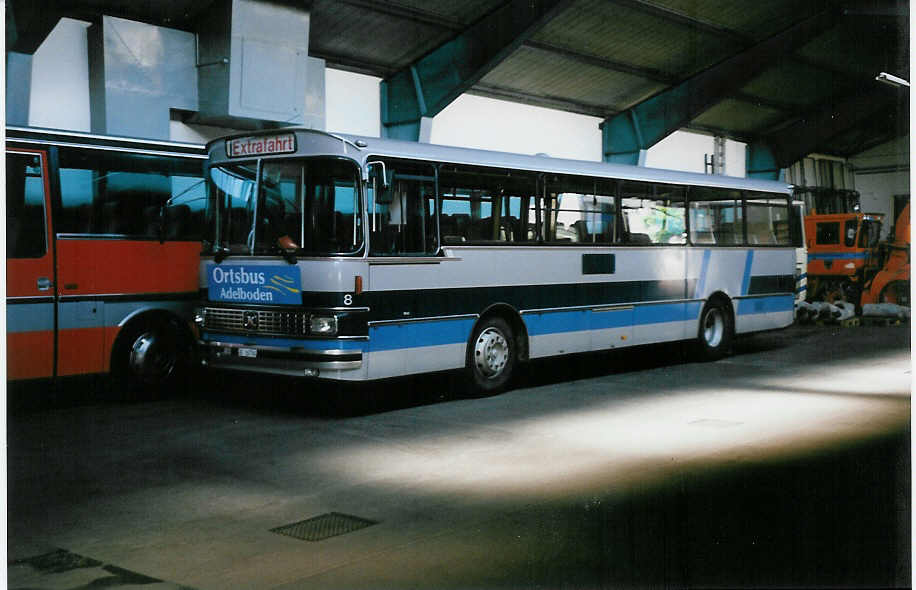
(896, 292)
(716, 330)
(492, 355)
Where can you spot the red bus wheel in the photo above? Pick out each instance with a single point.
(152, 357)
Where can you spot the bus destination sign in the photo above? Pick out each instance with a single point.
(254, 284)
(261, 146)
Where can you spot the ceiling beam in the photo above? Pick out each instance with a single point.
(406, 13)
(348, 63)
(813, 133)
(541, 100)
(603, 63)
(425, 87)
(627, 134)
(681, 18)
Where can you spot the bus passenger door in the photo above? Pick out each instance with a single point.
(30, 289)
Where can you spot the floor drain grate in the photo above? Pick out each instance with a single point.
(323, 527)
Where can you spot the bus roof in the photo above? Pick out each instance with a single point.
(81, 139)
(363, 148)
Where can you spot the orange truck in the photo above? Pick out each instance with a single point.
(892, 283)
(842, 254)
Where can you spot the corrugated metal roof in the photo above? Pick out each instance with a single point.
(600, 57)
(540, 72)
(620, 33)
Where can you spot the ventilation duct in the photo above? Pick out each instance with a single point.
(253, 67)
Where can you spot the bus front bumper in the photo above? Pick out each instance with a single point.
(291, 361)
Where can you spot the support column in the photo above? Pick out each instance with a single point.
(760, 162)
(622, 140)
(424, 88)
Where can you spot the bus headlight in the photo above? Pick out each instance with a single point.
(323, 324)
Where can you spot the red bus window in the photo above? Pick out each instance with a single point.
(26, 235)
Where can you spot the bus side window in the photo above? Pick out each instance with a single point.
(26, 234)
(653, 214)
(768, 220)
(122, 194)
(486, 205)
(402, 215)
(186, 210)
(716, 216)
(580, 209)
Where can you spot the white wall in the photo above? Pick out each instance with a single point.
(877, 180)
(877, 194)
(60, 79)
(486, 123)
(352, 103)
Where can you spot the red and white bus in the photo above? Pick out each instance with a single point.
(103, 241)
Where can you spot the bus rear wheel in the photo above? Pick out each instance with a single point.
(716, 331)
(492, 356)
(152, 357)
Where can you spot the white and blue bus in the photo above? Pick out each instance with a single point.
(352, 258)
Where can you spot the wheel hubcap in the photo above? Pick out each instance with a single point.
(150, 358)
(491, 352)
(713, 328)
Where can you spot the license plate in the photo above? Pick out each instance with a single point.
(248, 352)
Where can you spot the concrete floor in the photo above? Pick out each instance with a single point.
(786, 464)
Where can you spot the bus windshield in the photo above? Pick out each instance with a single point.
(306, 206)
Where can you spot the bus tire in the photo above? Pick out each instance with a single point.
(152, 357)
(716, 330)
(491, 357)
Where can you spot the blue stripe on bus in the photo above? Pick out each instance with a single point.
(556, 322)
(420, 334)
(29, 317)
(746, 282)
(774, 304)
(841, 256)
(704, 268)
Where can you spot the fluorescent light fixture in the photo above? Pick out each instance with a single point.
(891, 80)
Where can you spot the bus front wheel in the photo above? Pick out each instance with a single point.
(492, 355)
(715, 332)
(151, 357)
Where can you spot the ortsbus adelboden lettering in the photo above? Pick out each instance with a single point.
(238, 276)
